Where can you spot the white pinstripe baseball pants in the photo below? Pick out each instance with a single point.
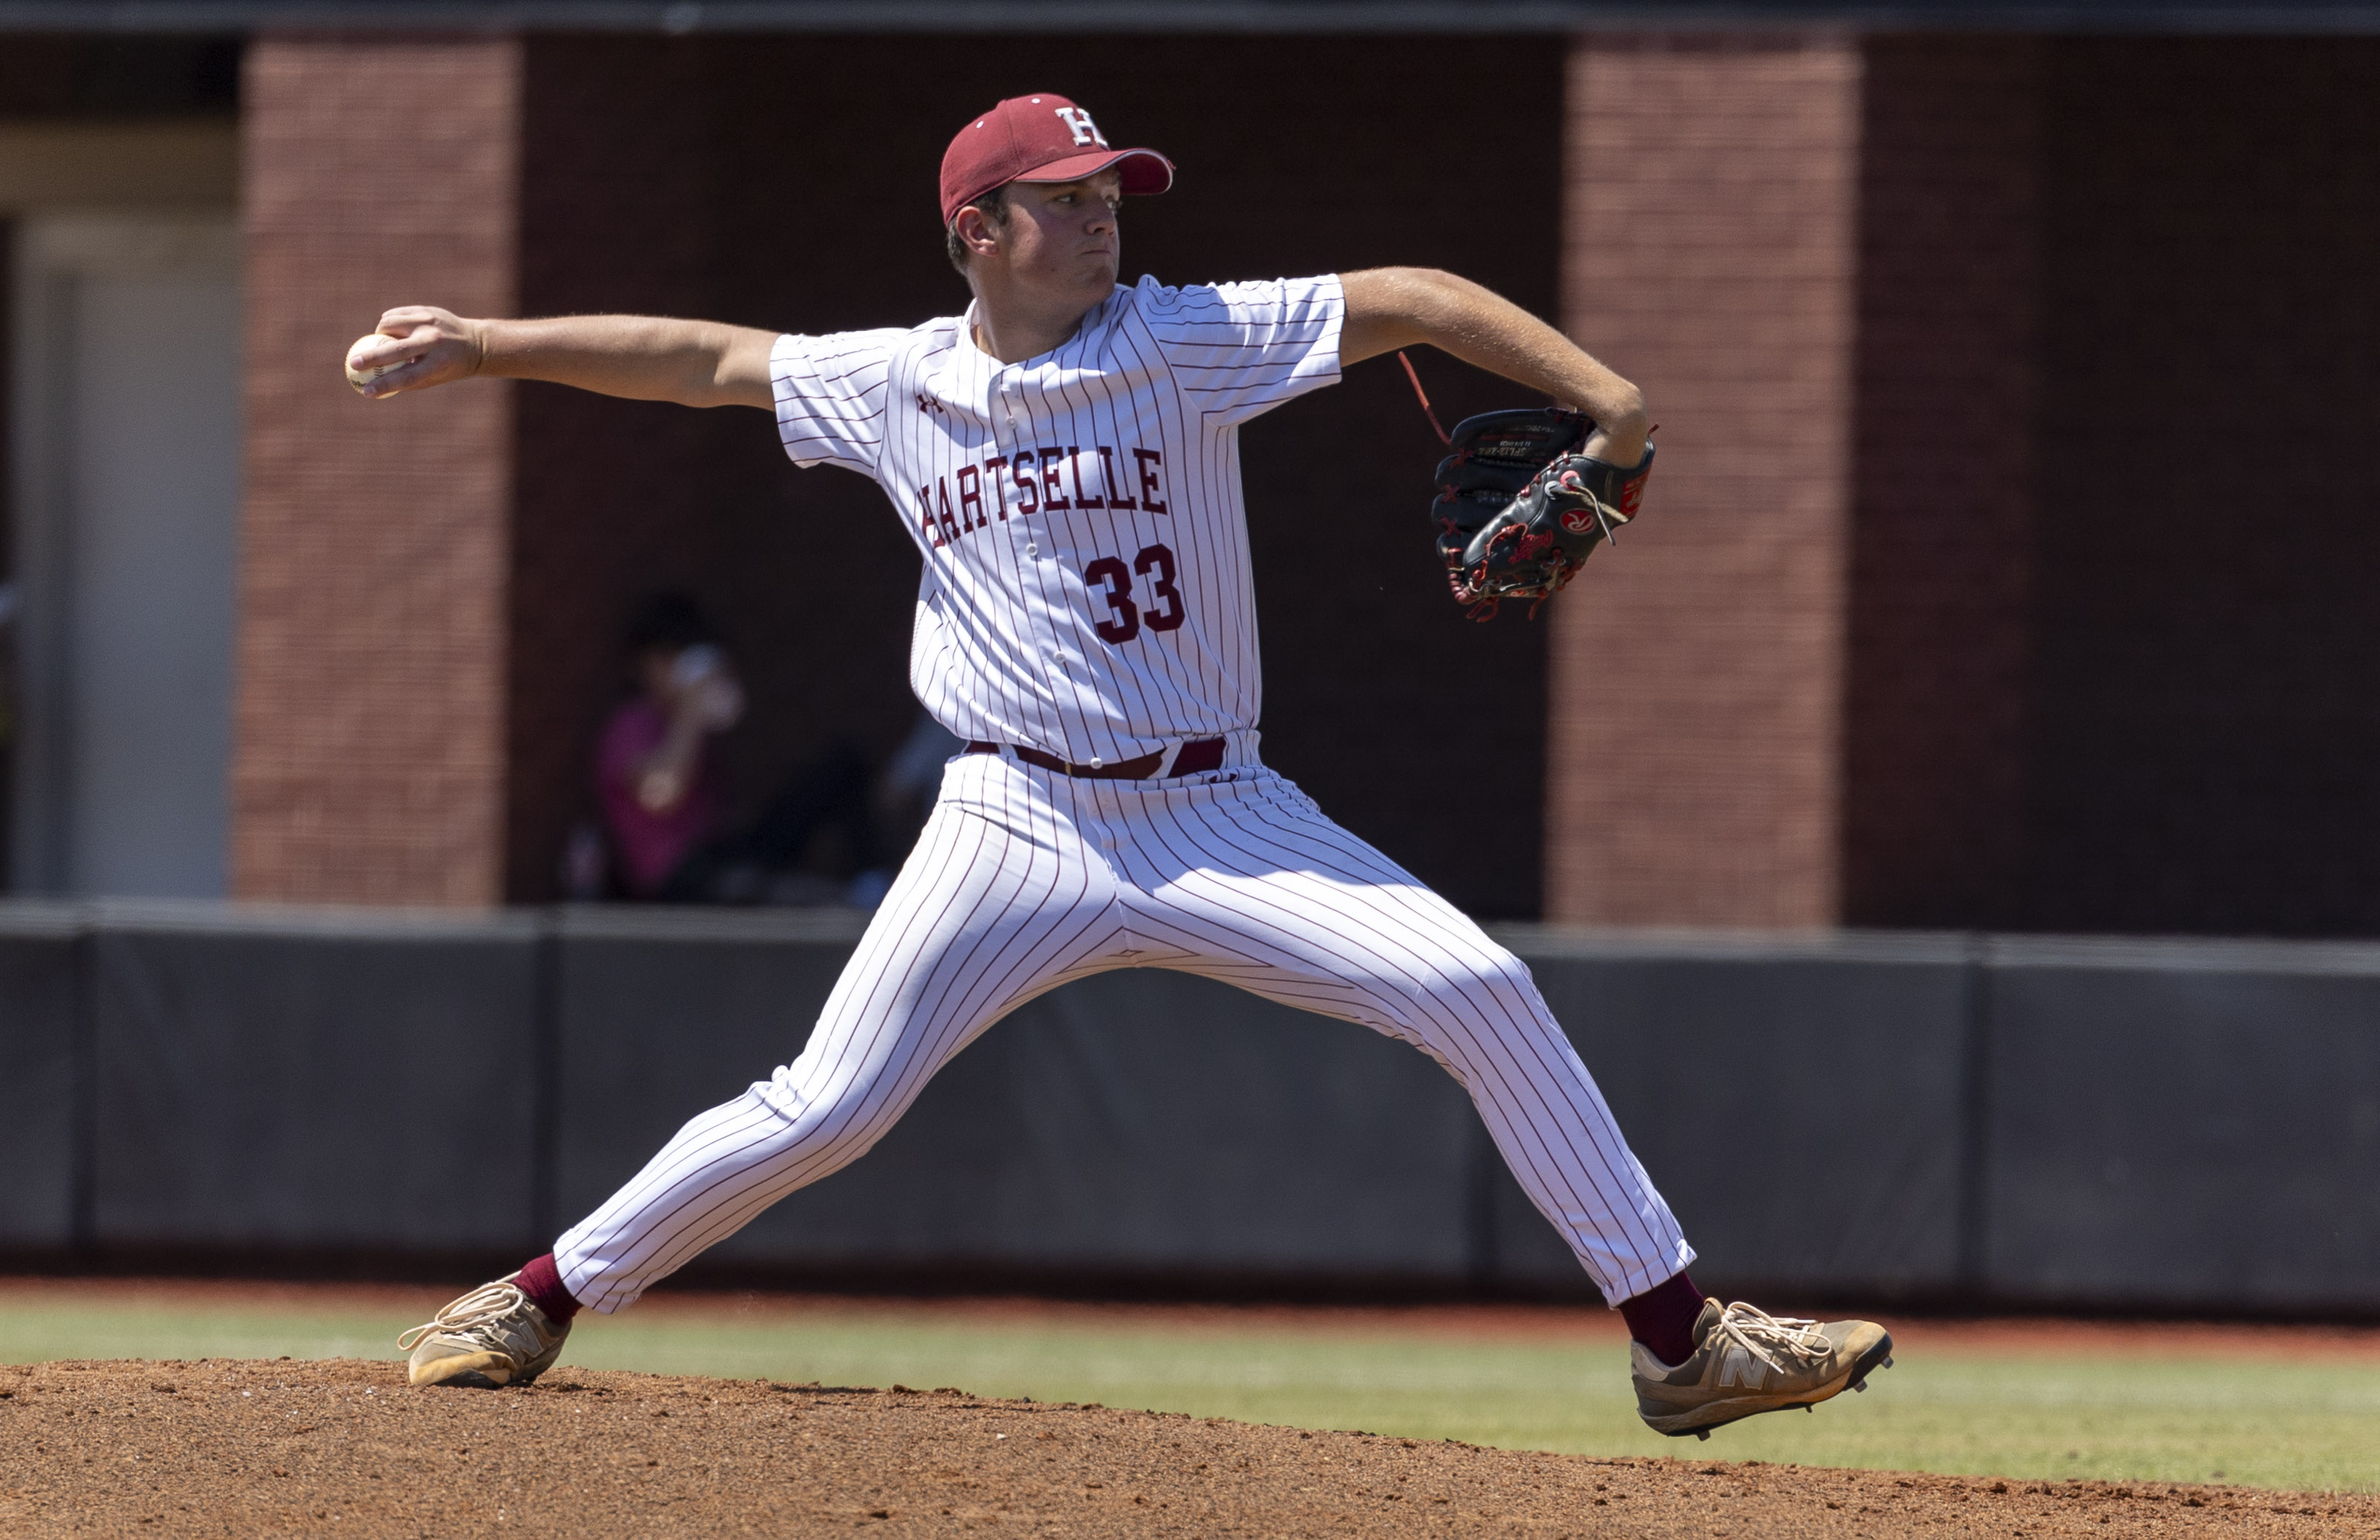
(1026, 878)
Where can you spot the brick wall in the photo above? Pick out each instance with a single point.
(1695, 677)
(368, 754)
(1946, 410)
(1963, 600)
(2094, 577)
(764, 180)
(2207, 673)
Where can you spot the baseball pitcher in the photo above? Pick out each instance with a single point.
(1065, 456)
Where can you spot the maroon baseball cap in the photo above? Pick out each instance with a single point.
(1039, 139)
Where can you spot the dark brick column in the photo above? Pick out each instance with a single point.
(1937, 722)
(2206, 695)
(1697, 708)
(623, 158)
(369, 762)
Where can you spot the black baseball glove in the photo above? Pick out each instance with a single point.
(1519, 509)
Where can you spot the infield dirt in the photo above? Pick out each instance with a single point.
(345, 1446)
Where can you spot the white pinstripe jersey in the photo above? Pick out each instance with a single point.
(1085, 588)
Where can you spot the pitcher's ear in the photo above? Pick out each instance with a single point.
(976, 230)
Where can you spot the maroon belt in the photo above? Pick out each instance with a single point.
(1197, 755)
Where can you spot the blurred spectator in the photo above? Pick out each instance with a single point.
(665, 799)
(659, 791)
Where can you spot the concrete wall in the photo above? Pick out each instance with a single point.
(45, 1062)
(2169, 1124)
(2182, 1125)
(313, 1082)
(119, 461)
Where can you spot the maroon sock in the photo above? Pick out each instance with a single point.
(542, 1284)
(1663, 1318)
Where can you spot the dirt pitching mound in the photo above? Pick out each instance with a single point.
(346, 1447)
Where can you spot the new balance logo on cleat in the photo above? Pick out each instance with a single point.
(1738, 1368)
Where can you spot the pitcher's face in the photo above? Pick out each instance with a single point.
(1061, 240)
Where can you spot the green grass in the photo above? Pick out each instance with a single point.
(2302, 1425)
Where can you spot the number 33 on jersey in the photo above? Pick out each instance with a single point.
(1086, 588)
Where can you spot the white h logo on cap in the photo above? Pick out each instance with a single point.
(1086, 131)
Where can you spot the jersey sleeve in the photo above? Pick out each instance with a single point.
(1237, 350)
(830, 392)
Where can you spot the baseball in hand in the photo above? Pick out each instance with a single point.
(359, 378)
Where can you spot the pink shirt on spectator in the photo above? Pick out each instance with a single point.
(651, 844)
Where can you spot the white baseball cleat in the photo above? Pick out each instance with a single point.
(1746, 1361)
(491, 1337)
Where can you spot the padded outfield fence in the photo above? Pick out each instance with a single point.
(2169, 1124)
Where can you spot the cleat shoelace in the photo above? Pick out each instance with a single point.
(482, 1306)
(1759, 1332)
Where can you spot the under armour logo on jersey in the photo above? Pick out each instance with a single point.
(1086, 131)
(927, 404)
